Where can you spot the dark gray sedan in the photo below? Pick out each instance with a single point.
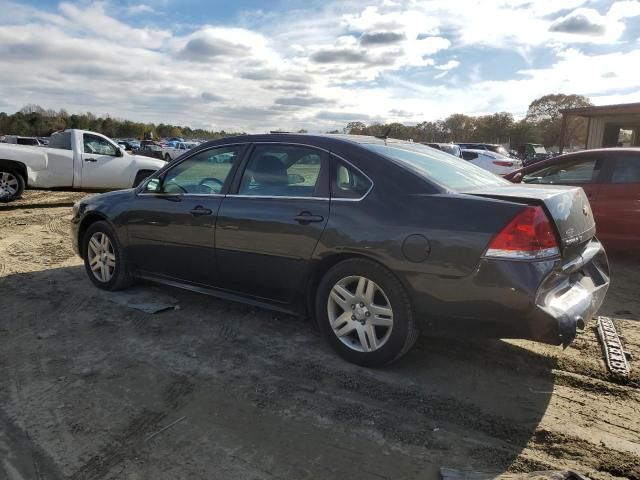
(378, 240)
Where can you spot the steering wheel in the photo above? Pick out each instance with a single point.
(216, 188)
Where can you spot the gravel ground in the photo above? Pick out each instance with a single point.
(85, 383)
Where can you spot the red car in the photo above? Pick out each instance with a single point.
(611, 179)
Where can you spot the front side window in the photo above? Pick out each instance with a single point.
(98, 145)
(282, 170)
(626, 169)
(205, 173)
(572, 171)
(348, 183)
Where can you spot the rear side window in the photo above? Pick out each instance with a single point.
(438, 167)
(626, 170)
(347, 182)
(282, 171)
(61, 141)
(469, 155)
(574, 172)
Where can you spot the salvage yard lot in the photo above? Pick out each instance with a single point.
(85, 384)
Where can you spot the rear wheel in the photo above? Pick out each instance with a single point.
(103, 258)
(365, 313)
(11, 185)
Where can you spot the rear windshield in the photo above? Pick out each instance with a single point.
(447, 171)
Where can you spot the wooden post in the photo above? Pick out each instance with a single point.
(586, 138)
(562, 131)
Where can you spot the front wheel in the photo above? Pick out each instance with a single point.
(103, 258)
(11, 185)
(365, 313)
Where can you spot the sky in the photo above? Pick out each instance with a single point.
(256, 66)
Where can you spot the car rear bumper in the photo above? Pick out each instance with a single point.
(547, 301)
(570, 295)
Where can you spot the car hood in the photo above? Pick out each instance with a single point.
(148, 163)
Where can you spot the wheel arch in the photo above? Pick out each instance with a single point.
(88, 220)
(324, 264)
(17, 167)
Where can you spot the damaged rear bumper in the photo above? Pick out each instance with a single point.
(570, 295)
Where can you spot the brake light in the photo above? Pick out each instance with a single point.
(502, 163)
(528, 236)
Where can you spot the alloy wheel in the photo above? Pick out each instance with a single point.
(360, 313)
(102, 257)
(8, 184)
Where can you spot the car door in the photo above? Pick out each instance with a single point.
(270, 224)
(582, 170)
(171, 227)
(102, 164)
(619, 201)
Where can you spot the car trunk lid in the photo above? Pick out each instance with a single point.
(568, 207)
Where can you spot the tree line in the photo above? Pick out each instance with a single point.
(541, 125)
(35, 121)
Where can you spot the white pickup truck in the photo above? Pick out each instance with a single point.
(74, 159)
(175, 149)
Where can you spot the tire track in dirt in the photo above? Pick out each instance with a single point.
(130, 441)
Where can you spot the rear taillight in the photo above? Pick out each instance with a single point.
(528, 236)
(502, 163)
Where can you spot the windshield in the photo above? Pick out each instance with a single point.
(449, 172)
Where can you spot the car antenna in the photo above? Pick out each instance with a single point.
(385, 135)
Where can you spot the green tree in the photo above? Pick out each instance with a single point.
(546, 113)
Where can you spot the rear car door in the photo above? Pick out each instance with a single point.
(102, 164)
(619, 201)
(171, 228)
(270, 224)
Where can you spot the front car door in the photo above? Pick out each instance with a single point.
(171, 228)
(271, 221)
(102, 164)
(619, 201)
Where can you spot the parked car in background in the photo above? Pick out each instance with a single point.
(18, 140)
(126, 145)
(450, 148)
(150, 148)
(74, 159)
(611, 179)
(531, 153)
(491, 147)
(173, 150)
(379, 240)
(493, 162)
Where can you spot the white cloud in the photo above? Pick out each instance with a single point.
(306, 71)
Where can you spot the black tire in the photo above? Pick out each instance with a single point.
(120, 278)
(17, 183)
(404, 331)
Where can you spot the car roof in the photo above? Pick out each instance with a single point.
(320, 140)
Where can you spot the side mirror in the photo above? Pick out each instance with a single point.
(153, 185)
(119, 152)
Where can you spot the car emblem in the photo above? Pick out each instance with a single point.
(585, 210)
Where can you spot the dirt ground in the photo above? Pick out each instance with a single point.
(85, 384)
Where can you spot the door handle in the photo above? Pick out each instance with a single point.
(307, 217)
(200, 210)
(91, 160)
